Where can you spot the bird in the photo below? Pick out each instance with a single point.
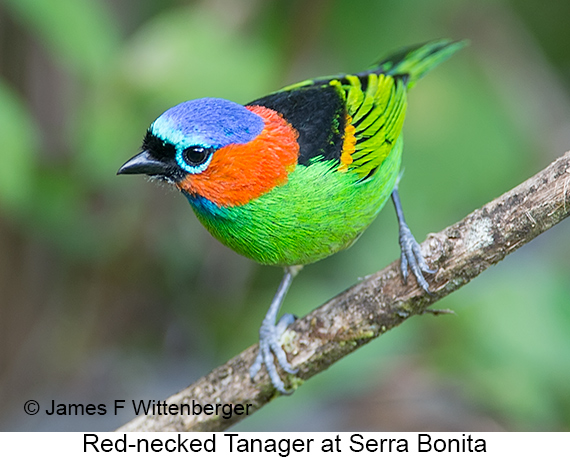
(297, 175)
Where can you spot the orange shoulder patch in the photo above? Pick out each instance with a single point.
(348, 145)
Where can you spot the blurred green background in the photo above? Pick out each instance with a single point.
(111, 289)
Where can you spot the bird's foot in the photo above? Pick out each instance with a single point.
(412, 257)
(269, 346)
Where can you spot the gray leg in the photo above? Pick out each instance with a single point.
(270, 333)
(411, 255)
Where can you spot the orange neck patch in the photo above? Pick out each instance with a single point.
(239, 173)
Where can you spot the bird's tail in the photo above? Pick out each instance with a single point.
(415, 61)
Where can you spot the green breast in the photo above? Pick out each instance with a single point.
(318, 212)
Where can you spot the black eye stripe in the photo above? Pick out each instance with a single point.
(194, 159)
(159, 148)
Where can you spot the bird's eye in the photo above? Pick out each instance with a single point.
(194, 159)
(195, 155)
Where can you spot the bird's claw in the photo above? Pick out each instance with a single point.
(269, 346)
(412, 257)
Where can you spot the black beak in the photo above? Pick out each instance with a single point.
(143, 163)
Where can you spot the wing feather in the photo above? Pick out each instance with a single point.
(377, 115)
(354, 119)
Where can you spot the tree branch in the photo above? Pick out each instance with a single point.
(380, 302)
